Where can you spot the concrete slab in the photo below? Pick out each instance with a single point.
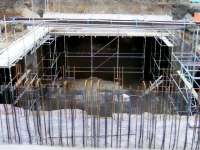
(108, 17)
(20, 47)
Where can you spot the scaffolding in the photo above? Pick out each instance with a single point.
(46, 103)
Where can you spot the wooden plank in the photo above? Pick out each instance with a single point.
(189, 85)
(21, 79)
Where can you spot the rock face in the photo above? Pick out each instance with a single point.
(19, 8)
(24, 11)
(101, 6)
(7, 7)
(4, 4)
(179, 11)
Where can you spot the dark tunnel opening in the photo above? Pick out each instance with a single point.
(135, 57)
